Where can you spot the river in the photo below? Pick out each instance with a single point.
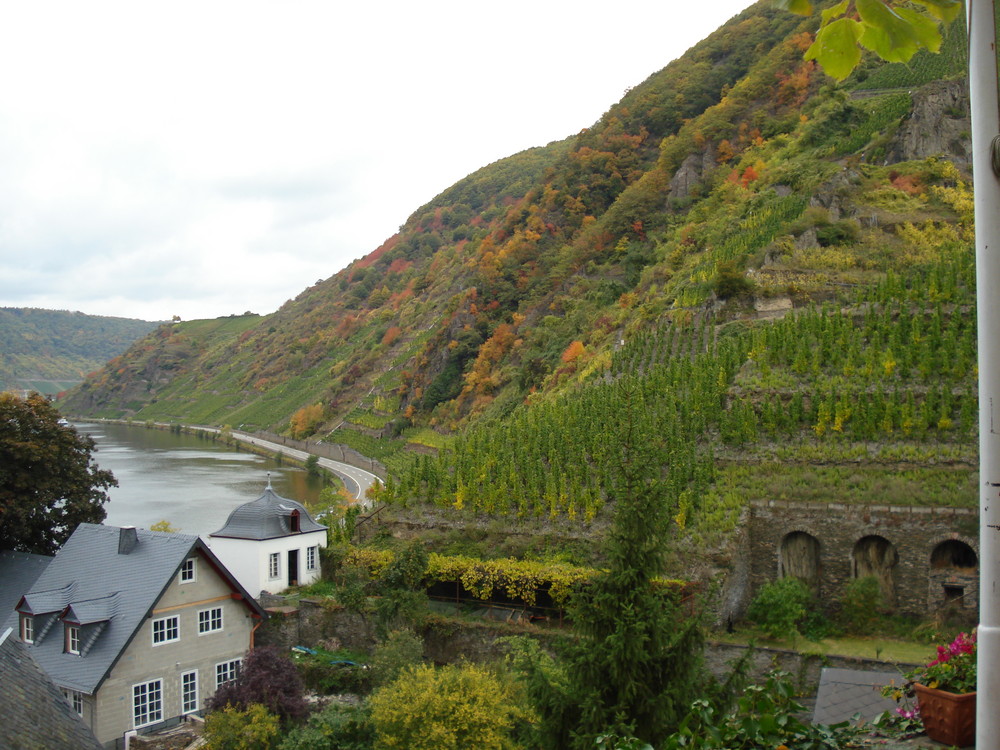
(192, 482)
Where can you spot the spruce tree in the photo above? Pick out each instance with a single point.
(636, 665)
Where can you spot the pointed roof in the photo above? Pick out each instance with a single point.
(18, 573)
(267, 517)
(96, 583)
(35, 713)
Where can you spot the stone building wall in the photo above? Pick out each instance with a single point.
(925, 557)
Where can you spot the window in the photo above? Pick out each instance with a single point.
(311, 557)
(75, 699)
(73, 639)
(166, 629)
(189, 692)
(274, 565)
(209, 620)
(294, 523)
(226, 672)
(147, 703)
(188, 571)
(27, 628)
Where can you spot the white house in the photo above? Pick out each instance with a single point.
(270, 544)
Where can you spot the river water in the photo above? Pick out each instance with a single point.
(192, 482)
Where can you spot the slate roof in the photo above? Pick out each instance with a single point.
(267, 517)
(845, 692)
(108, 593)
(18, 573)
(35, 713)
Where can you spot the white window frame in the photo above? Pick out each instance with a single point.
(27, 628)
(73, 639)
(209, 620)
(75, 699)
(227, 671)
(312, 557)
(189, 571)
(147, 703)
(165, 627)
(274, 566)
(189, 692)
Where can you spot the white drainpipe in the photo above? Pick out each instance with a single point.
(985, 110)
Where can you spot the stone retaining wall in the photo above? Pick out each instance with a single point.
(832, 543)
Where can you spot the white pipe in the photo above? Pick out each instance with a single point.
(985, 110)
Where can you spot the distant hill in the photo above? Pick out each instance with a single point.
(779, 269)
(50, 351)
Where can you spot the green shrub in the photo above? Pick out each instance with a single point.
(780, 607)
(336, 726)
(862, 606)
(231, 728)
(401, 650)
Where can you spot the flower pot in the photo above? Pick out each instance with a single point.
(948, 717)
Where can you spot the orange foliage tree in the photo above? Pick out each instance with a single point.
(573, 351)
(305, 421)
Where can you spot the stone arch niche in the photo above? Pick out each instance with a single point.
(953, 576)
(798, 557)
(876, 556)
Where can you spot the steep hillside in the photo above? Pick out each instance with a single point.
(52, 350)
(515, 236)
(770, 275)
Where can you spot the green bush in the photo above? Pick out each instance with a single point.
(231, 728)
(336, 726)
(401, 650)
(862, 606)
(780, 607)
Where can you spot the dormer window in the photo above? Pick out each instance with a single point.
(73, 639)
(27, 628)
(293, 522)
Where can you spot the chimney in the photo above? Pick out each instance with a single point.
(127, 539)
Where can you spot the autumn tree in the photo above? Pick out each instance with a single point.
(448, 708)
(233, 728)
(305, 421)
(49, 482)
(268, 678)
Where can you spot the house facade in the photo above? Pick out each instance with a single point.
(270, 543)
(137, 628)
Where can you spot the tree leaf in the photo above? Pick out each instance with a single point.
(799, 7)
(945, 10)
(836, 47)
(837, 10)
(927, 32)
(885, 32)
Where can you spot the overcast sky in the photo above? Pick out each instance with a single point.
(206, 158)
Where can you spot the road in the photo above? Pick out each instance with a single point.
(356, 480)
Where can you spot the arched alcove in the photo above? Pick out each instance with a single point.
(954, 554)
(798, 557)
(876, 556)
(953, 575)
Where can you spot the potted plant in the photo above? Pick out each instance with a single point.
(946, 692)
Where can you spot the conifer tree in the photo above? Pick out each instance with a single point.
(636, 667)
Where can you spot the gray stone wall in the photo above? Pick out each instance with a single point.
(912, 533)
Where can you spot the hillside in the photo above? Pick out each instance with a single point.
(770, 273)
(52, 350)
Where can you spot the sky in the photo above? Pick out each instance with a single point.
(203, 159)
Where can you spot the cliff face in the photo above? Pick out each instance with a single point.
(938, 125)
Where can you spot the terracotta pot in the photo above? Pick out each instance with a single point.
(948, 717)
